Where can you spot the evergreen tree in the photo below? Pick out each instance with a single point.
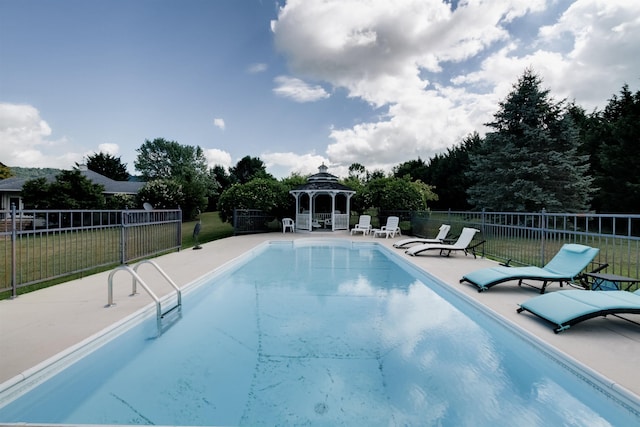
(447, 173)
(616, 132)
(415, 169)
(530, 161)
(108, 165)
(247, 169)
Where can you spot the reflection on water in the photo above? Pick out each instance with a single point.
(322, 336)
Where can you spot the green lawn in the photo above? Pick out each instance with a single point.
(212, 229)
(55, 255)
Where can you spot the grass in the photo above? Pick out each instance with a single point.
(212, 228)
(61, 254)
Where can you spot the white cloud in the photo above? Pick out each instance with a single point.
(438, 74)
(21, 125)
(282, 165)
(109, 148)
(215, 157)
(26, 140)
(605, 52)
(298, 90)
(219, 123)
(257, 68)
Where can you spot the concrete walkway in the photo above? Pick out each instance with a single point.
(38, 325)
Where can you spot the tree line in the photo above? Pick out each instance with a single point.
(542, 153)
(539, 154)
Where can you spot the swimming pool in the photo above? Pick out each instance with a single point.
(324, 333)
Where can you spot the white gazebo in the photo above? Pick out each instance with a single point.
(322, 203)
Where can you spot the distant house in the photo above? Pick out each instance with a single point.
(10, 188)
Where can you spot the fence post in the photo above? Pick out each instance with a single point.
(543, 222)
(14, 281)
(235, 221)
(179, 229)
(123, 248)
(483, 221)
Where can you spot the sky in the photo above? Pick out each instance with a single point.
(296, 83)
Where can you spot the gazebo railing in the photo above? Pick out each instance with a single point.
(326, 220)
(303, 221)
(340, 221)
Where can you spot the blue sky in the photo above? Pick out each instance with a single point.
(296, 83)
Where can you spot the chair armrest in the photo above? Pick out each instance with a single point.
(583, 279)
(600, 267)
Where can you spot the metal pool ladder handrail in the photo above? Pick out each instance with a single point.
(137, 279)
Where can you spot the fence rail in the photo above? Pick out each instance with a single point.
(39, 245)
(248, 221)
(534, 238)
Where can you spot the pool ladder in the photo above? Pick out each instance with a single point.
(160, 315)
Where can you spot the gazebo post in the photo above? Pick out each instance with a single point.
(333, 211)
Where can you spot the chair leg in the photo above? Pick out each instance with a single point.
(544, 287)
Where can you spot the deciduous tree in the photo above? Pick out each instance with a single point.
(5, 172)
(266, 194)
(390, 193)
(186, 165)
(70, 190)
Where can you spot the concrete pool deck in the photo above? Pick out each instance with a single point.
(36, 326)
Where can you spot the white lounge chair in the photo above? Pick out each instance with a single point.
(442, 234)
(363, 226)
(390, 229)
(288, 223)
(462, 244)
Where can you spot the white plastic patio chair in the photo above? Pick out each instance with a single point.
(390, 229)
(363, 226)
(288, 223)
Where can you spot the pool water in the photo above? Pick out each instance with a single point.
(313, 333)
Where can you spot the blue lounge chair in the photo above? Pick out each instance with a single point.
(566, 308)
(462, 244)
(442, 234)
(564, 267)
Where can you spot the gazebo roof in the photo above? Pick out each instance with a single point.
(322, 181)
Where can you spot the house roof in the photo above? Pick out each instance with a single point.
(11, 184)
(111, 186)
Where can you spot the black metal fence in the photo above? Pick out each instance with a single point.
(250, 221)
(40, 245)
(534, 238)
